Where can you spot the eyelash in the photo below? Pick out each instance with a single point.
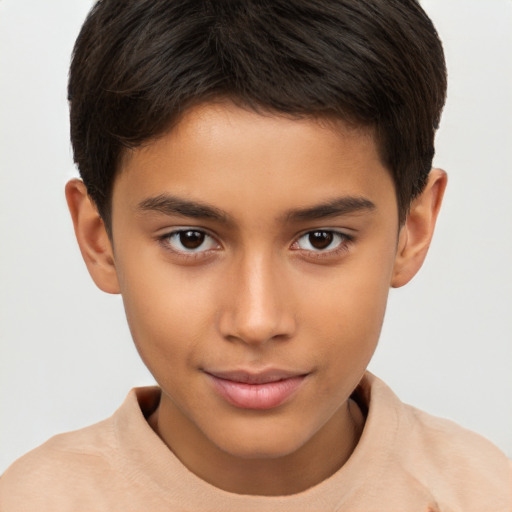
(165, 241)
(343, 246)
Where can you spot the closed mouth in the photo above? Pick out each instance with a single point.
(247, 377)
(258, 391)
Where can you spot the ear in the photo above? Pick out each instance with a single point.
(92, 237)
(416, 233)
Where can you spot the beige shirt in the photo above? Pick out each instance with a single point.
(406, 460)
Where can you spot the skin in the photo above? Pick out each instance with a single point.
(256, 294)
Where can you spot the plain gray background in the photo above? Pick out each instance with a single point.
(66, 357)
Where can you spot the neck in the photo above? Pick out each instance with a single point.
(319, 458)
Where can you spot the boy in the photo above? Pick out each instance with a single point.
(256, 177)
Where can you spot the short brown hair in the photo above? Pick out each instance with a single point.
(138, 64)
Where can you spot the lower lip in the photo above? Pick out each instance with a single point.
(257, 396)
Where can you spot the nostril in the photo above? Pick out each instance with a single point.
(254, 309)
(255, 328)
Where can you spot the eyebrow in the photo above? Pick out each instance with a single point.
(333, 208)
(172, 205)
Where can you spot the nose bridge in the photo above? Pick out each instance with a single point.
(258, 310)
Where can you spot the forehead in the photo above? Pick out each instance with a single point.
(269, 161)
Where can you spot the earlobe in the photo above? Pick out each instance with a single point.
(416, 233)
(92, 237)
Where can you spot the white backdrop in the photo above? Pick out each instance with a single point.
(66, 357)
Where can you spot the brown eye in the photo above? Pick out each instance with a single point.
(320, 239)
(191, 239)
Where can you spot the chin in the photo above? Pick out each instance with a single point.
(262, 445)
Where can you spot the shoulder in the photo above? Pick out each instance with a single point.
(459, 465)
(89, 469)
(460, 468)
(443, 440)
(67, 464)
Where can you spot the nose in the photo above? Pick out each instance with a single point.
(257, 307)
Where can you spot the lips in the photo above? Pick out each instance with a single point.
(264, 390)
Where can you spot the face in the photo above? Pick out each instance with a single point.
(254, 254)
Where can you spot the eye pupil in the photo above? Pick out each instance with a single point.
(191, 239)
(320, 239)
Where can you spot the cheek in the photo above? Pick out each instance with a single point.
(348, 314)
(168, 312)
(352, 299)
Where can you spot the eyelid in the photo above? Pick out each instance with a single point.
(344, 245)
(335, 231)
(164, 240)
